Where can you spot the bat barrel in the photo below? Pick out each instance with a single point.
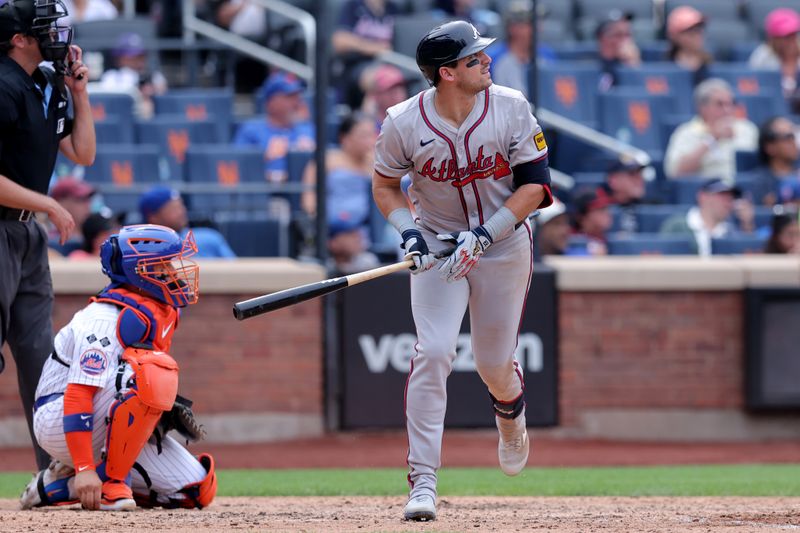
(285, 298)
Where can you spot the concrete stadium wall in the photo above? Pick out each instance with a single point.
(650, 349)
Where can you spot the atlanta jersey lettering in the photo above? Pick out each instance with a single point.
(460, 176)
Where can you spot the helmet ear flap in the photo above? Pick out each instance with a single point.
(116, 257)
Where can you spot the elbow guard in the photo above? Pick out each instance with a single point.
(537, 172)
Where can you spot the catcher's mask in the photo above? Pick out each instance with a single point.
(39, 19)
(154, 259)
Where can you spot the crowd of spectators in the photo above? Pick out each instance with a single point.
(703, 149)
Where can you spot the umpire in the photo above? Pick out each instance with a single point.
(34, 125)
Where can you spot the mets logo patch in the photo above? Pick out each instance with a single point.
(539, 140)
(93, 362)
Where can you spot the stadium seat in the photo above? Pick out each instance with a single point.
(569, 89)
(724, 10)
(632, 116)
(261, 236)
(740, 52)
(104, 34)
(582, 51)
(738, 244)
(110, 131)
(685, 189)
(409, 29)
(670, 122)
(759, 107)
(721, 35)
(651, 217)
(662, 78)
(174, 135)
(590, 180)
(746, 81)
(215, 105)
(654, 51)
(746, 161)
(227, 166)
(122, 166)
(119, 106)
(650, 244)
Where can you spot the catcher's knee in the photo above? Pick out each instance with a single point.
(201, 494)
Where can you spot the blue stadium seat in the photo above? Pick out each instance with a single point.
(654, 51)
(227, 166)
(116, 108)
(661, 78)
(122, 166)
(296, 163)
(111, 131)
(632, 115)
(685, 189)
(762, 216)
(740, 52)
(582, 51)
(738, 244)
(174, 135)
(746, 81)
(758, 108)
(650, 244)
(670, 122)
(746, 161)
(261, 236)
(570, 89)
(215, 105)
(651, 217)
(590, 180)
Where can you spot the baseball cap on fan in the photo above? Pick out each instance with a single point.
(683, 18)
(152, 200)
(615, 15)
(782, 22)
(129, 45)
(69, 187)
(279, 83)
(717, 185)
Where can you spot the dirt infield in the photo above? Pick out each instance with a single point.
(455, 514)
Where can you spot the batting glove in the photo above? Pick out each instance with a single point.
(470, 246)
(417, 249)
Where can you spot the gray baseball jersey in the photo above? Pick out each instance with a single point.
(88, 353)
(460, 178)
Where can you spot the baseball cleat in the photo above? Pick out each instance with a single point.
(513, 448)
(51, 486)
(420, 508)
(117, 496)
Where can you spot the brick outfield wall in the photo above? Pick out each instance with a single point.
(621, 350)
(271, 363)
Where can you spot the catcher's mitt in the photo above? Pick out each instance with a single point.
(181, 419)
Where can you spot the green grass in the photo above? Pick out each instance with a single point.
(717, 480)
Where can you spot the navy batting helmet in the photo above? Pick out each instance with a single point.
(448, 43)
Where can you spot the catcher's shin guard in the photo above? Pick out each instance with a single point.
(133, 417)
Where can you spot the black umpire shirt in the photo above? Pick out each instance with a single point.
(28, 138)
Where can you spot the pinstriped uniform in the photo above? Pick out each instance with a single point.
(460, 177)
(88, 352)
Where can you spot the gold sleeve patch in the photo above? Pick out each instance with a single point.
(539, 140)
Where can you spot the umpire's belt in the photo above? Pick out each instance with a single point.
(20, 215)
(46, 399)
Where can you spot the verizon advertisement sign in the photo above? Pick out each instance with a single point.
(377, 340)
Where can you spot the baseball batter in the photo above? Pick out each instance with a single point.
(104, 388)
(478, 164)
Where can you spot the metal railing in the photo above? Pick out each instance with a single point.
(193, 25)
(596, 138)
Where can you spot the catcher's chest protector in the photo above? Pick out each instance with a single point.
(142, 320)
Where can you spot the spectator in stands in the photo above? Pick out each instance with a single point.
(707, 144)
(552, 231)
(386, 86)
(711, 217)
(510, 66)
(349, 193)
(615, 47)
(282, 130)
(779, 156)
(591, 221)
(365, 30)
(95, 229)
(164, 206)
(249, 20)
(132, 75)
(625, 188)
(485, 20)
(686, 34)
(74, 195)
(781, 51)
(784, 232)
(89, 10)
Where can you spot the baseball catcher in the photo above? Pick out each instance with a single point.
(108, 393)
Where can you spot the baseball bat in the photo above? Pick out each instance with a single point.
(278, 300)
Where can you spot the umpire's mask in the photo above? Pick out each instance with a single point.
(40, 20)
